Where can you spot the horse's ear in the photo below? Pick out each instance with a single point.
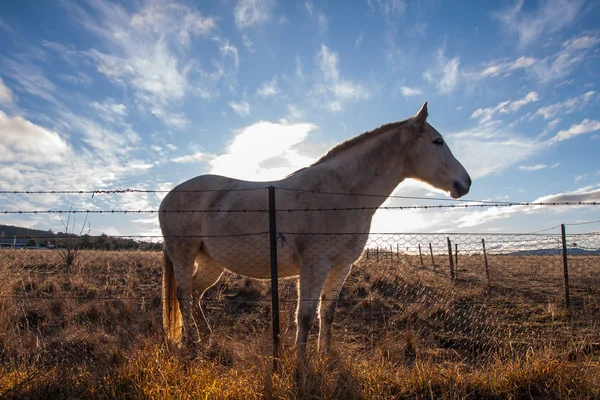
(421, 116)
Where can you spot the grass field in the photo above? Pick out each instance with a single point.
(402, 330)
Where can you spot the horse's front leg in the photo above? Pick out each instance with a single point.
(184, 277)
(312, 279)
(331, 292)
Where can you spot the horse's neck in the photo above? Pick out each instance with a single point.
(372, 167)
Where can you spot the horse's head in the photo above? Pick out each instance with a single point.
(430, 158)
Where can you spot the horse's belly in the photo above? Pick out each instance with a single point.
(249, 256)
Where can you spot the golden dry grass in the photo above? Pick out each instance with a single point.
(401, 331)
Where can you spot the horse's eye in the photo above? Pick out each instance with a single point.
(438, 142)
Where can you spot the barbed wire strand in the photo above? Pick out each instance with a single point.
(416, 207)
(129, 190)
(125, 191)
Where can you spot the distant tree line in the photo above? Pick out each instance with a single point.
(102, 242)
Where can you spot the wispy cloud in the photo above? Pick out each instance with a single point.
(444, 74)
(318, 16)
(558, 65)
(490, 149)
(359, 39)
(565, 107)
(6, 95)
(242, 108)
(248, 13)
(551, 16)
(388, 8)
(505, 107)
(248, 44)
(192, 158)
(30, 78)
(143, 50)
(408, 91)
(586, 126)
(269, 88)
(110, 111)
(334, 89)
(536, 167)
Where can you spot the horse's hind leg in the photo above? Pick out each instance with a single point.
(206, 275)
(331, 292)
(312, 279)
(183, 253)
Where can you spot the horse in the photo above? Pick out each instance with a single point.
(201, 241)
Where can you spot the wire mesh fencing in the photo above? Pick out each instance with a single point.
(400, 298)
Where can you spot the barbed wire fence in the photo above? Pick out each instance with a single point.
(454, 296)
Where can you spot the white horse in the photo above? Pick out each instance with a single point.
(200, 246)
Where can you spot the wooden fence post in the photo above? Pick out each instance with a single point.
(431, 252)
(452, 273)
(487, 270)
(421, 255)
(565, 265)
(456, 255)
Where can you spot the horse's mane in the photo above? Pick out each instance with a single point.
(356, 140)
(347, 144)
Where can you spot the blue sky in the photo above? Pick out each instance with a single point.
(98, 94)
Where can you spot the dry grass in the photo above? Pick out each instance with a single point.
(401, 331)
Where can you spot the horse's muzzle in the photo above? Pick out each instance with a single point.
(460, 188)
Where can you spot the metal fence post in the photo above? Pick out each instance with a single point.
(487, 269)
(452, 273)
(565, 265)
(274, 277)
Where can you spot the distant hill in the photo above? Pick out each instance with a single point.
(555, 252)
(9, 231)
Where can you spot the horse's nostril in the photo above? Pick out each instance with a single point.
(460, 188)
(469, 181)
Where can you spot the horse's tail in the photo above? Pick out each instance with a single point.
(172, 320)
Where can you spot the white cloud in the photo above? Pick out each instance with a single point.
(489, 149)
(586, 126)
(318, 16)
(6, 95)
(505, 107)
(536, 167)
(269, 88)
(25, 142)
(334, 89)
(408, 91)
(444, 74)
(565, 107)
(264, 151)
(551, 16)
(192, 158)
(242, 108)
(252, 12)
